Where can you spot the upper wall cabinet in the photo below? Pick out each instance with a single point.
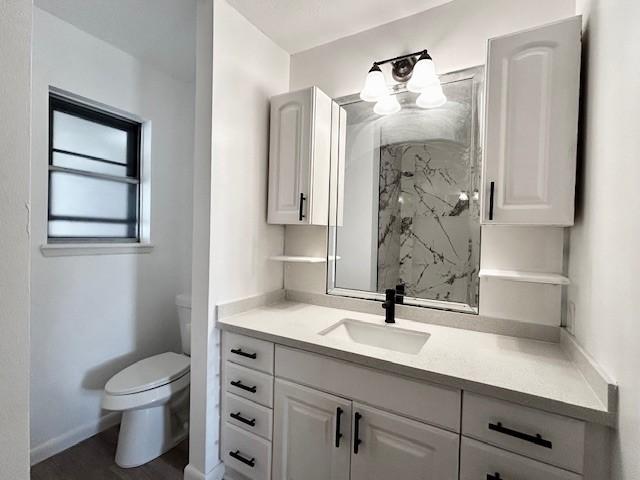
(299, 158)
(533, 80)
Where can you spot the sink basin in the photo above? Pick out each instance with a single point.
(388, 337)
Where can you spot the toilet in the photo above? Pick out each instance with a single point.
(153, 396)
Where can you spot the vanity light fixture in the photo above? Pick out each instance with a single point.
(417, 69)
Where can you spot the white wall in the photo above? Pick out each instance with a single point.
(204, 412)
(604, 260)
(94, 315)
(456, 35)
(248, 68)
(15, 58)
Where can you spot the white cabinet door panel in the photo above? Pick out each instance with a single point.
(533, 80)
(290, 156)
(393, 447)
(305, 446)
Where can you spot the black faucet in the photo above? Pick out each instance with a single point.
(389, 305)
(392, 296)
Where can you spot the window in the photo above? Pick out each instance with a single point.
(94, 174)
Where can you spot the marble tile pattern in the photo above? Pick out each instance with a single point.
(428, 215)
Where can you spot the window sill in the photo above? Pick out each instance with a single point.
(77, 249)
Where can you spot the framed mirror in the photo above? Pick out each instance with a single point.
(405, 207)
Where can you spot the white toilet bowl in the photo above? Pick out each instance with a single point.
(153, 396)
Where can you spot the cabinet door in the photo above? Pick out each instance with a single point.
(393, 447)
(312, 433)
(533, 80)
(290, 155)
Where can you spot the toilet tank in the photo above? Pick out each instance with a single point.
(183, 304)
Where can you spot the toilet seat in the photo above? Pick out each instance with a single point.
(147, 383)
(149, 373)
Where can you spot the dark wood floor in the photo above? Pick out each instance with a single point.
(93, 459)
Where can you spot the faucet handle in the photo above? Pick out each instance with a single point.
(390, 298)
(400, 293)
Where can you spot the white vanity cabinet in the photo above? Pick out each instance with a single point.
(531, 122)
(304, 416)
(299, 158)
(318, 436)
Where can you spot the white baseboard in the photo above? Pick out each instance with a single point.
(192, 473)
(72, 437)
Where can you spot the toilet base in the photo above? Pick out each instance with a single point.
(146, 434)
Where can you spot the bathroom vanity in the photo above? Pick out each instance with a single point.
(324, 393)
(404, 188)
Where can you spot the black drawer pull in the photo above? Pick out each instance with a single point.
(239, 384)
(301, 214)
(492, 187)
(356, 434)
(238, 351)
(338, 434)
(238, 416)
(246, 461)
(495, 476)
(537, 438)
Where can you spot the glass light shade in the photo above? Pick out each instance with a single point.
(432, 97)
(387, 105)
(423, 76)
(375, 86)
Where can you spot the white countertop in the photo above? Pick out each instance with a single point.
(529, 372)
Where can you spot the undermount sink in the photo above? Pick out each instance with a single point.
(388, 337)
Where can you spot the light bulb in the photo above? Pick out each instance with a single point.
(375, 85)
(432, 97)
(387, 105)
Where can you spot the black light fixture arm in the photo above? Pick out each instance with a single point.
(422, 53)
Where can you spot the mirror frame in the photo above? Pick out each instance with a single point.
(477, 75)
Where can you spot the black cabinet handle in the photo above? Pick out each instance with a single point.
(301, 207)
(492, 187)
(338, 434)
(239, 384)
(238, 351)
(238, 416)
(495, 476)
(356, 433)
(251, 462)
(536, 439)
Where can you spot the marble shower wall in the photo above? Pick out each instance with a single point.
(428, 214)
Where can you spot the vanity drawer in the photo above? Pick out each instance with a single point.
(246, 453)
(248, 351)
(479, 461)
(248, 415)
(247, 383)
(426, 402)
(516, 428)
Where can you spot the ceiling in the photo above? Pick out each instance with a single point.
(159, 32)
(298, 25)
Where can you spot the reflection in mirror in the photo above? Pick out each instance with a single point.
(408, 202)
